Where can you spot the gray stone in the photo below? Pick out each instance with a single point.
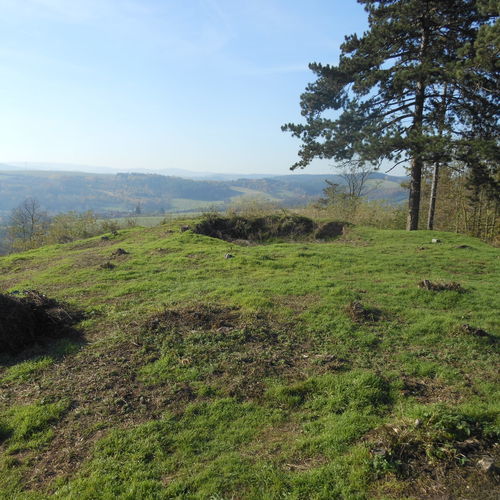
(486, 464)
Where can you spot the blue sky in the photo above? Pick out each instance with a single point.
(196, 84)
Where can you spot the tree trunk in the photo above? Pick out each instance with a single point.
(414, 197)
(432, 201)
(435, 174)
(416, 129)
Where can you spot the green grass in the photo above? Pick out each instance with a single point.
(258, 383)
(26, 369)
(29, 426)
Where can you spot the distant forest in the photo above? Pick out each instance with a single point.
(127, 193)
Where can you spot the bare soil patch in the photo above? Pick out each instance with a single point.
(206, 317)
(234, 353)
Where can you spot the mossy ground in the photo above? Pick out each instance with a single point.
(201, 376)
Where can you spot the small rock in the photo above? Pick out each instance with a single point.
(435, 240)
(120, 251)
(105, 238)
(486, 464)
(379, 452)
(243, 243)
(228, 256)
(478, 332)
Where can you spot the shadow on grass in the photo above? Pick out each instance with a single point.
(35, 331)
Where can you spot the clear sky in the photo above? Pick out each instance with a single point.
(193, 84)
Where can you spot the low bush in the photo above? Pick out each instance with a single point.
(268, 227)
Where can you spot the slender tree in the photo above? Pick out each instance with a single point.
(378, 103)
(26, 224)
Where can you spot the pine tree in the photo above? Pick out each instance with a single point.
(382, 101)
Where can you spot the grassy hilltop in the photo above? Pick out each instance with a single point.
(305, 370)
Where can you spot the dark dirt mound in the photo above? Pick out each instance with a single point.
(479, 332)
(441, 287)
(361, 314)
(32, 318)
(265, 228)
(118, 252)
(107, 265)
(204, 317)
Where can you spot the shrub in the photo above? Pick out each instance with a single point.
(289, 226)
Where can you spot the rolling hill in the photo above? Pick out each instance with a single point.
(122, 193)
(361, 367)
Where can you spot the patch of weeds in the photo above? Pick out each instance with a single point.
(63, 347)
(424, 364)
(30, 426)
(206, 317)
(441, 287)
(362, 314)
(344, 477)
(331, 433)
(36, 359)
(439, 436)
(11, 478)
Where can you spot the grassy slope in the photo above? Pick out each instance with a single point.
(279, 393)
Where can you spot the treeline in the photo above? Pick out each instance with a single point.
(28, 226)
(459, 205)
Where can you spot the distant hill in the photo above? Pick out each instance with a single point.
(304, 187)
(64, 191)
(122, 193)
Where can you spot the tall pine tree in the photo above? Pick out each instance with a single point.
(382, 101)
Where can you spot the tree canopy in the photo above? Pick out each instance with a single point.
(384, 99)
